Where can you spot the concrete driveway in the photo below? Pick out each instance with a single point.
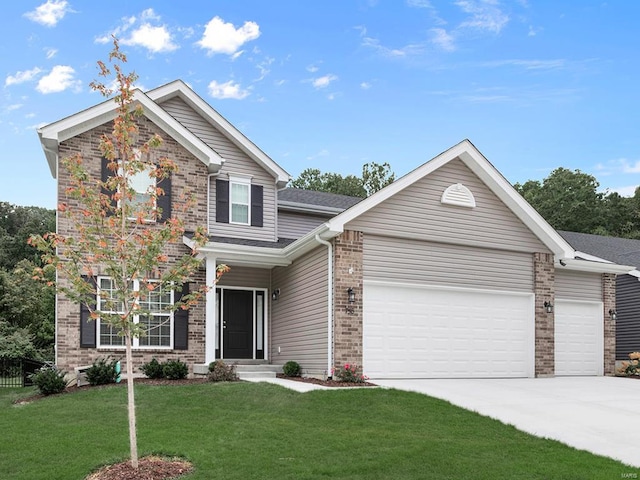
(597, 414)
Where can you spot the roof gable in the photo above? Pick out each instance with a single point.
(179, 89)
(53, 134)
(483, 169)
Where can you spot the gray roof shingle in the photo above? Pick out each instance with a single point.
(322, 199)
(623, 251)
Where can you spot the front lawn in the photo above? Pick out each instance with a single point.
(261, 431)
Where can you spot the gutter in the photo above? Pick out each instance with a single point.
(329, 303)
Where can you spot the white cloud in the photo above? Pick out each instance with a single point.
(365, 85)
(527, 64)
(51, 52)
(155, 39)
(21, 77)
(626, 191)
(443, 40)
(484, 15)
(227, 90)
(221, 37)
(49, 13)
(324, 81)
(279, 83)
(419, 3)
(264, 68)
(322, 153)
(630, 166)
(375, 44)
(59, 79)
(312, 68)
(142, 31)
(15, 106)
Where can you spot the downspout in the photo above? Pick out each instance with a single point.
(329, 304)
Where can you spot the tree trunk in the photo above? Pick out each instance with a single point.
(133, 440)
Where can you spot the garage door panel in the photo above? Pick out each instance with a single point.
(422, 332)
(579, 343)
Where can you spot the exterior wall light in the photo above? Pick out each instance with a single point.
(613, 314)
(548, 307)
(352, 295)
(275, 294)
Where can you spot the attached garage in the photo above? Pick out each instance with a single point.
(431, 332)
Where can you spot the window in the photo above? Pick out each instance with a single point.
(157, 320)
(240, 201)
(142, 183)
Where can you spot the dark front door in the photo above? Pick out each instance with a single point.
(237, 324)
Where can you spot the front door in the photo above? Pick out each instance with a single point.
(237, 325)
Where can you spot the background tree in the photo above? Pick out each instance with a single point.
(570, 200)
(374, 177)
(118, 233)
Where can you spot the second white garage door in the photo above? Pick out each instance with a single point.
(430, 332)
(579, 343)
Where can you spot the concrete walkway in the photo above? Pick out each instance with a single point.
(290, 384)
(597, 414)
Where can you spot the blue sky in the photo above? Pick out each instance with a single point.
(333, 84)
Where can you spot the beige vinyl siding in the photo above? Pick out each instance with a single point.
(236, 162)
(296, 225)
(246, 277)
(299, 316)
(430, 263)
(416, 212)
(578, 285)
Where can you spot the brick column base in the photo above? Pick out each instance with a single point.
(609, 300)
(544, 285)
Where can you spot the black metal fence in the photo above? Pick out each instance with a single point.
(15, 372)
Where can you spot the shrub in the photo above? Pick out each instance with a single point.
(632, 367)
(102, 371)
(349, 373)
(291, 369)
(49, 380)
(175, 370)
(221, 372)
(152, 369)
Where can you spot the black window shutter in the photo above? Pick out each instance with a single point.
(87, 325)
(256, 205)
(181, 322)
(105, 174)
(164, 201)
(222, 201)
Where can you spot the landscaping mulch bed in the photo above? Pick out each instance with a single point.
(149, 468)
(327, 383)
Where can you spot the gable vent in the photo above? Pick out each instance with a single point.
(458, 194)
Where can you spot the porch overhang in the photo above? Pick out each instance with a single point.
(241, 255)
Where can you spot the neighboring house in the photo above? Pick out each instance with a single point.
(447, 272)
(625, 251)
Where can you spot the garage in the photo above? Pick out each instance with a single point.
(431, 332)
(579, 343)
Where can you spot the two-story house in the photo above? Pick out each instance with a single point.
(447, 272)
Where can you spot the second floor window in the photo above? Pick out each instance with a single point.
(240, 202)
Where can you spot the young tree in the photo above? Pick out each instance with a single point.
(120, 233)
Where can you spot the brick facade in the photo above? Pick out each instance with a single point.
(347, 273)
(191, 179)
(544, 281)
(609, 300)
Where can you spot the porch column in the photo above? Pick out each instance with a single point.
(210, 311)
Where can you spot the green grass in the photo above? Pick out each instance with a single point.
(261, 431)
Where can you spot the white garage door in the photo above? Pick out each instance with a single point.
(428, 332)
(579, 345)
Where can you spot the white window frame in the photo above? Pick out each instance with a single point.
(244, 181)
(135, 341)
(153, 183)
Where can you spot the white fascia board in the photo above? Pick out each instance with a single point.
(499, 185)
(635, 273)
(472, 157)
(245, 255)
(578, 265)
(182, 90)
(308, 242)
(52, 134)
